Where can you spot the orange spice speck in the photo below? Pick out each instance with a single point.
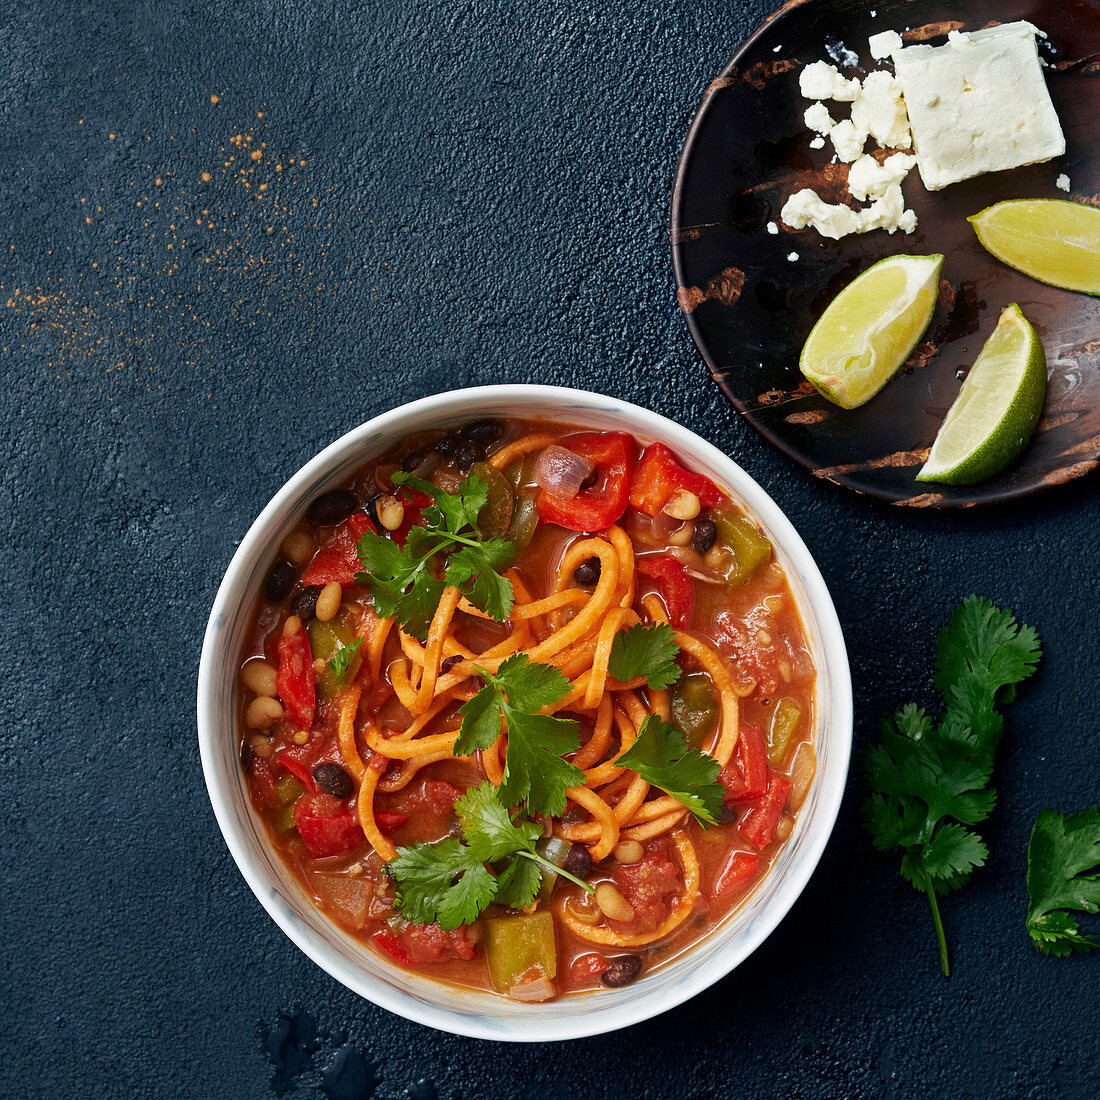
(214, 99)
(206, 177)
(111, 136)
(257, 154)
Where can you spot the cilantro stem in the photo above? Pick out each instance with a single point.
(930, 891)
(554, 869)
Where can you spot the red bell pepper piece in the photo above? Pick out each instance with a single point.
(584, 967)
(338, 559)
(388, 821)
(393, 947)
(736, 873)
(297, 768)
(294, 679)
(415, 503)
(659, 476)
(326, 825)
(758, 825)
(597, 508)
(746, 775)
(675, 586)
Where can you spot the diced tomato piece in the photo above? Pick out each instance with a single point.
(597, 508)
(338, 559)
(298, 768)
(326, 825)
(746, 775)
(736, 873)
(659, 476)
(294, 679)
(674, 584)
(650, 884)
(415, 503)
(428, 943)
(393, 947)
(584, 967)
(388, 821)
(262, 778)
(758, 825)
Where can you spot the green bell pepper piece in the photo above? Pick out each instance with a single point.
(784, 725)
(324, 640)
(694, 707)
(751, 550)
(525, 519)
(496, 515)
(516, 945)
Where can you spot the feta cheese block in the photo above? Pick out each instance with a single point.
(978, 104)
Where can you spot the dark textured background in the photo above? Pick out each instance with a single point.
(462, 191)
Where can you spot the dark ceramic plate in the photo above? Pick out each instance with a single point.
(749, 308)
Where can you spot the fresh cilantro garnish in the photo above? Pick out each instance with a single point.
(1063, 872)
(660, 755)
(342, 658)
(648, 651)
(403, 580)
(929, 783)
(449, 883)
(534, 771)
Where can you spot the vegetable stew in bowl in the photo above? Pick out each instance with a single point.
(526, 707)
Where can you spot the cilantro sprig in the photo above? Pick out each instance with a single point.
(930, 784)
(451, 882)
(1063, 873)
(342, 658)
(408, 581)
(534, 771)
(660, 755)
(648, 651)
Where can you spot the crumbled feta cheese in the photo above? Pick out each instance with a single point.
(820, 80)
(817, 142)
(776, 49)
(817, 117)
(978, 104)
(793, 257)
(1062, 182)
(885, 212)
(847, 140)
(880, 110)
(773, 228)
(806, 207)
(867, 179)
(884, 44)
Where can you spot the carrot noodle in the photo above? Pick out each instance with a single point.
(349, 708)
(528, 443)
(365, 804)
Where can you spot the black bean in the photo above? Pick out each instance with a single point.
(622, 971)
(279, 581)
(482, 431)
(248, 754)
(589, 481)
(706, 531)
(304, 604)
(332, 507)
(726, 815)
(447, 446)
(332, 779)
(588, 572)
(370, 510)
(578, 862)
(449, 662)
(466, 455)
(413, 461)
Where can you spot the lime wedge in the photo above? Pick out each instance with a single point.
(870, 328)
(997, 408)
(1052, 240)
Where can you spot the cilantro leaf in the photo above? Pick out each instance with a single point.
(342, 659)
(648, 651)
(449, 883)
(488, 828)
(518, 884)
(534, 771)
(405, 581)
(1063, 872)
(929, 783)
(441, 884)
(660, 755)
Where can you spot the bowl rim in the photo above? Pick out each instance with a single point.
(620, 1012)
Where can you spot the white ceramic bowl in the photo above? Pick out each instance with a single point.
(449, 1008)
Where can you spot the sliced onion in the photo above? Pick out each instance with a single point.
(541, 989)
(561, 472)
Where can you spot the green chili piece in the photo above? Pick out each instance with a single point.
(783, 728)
